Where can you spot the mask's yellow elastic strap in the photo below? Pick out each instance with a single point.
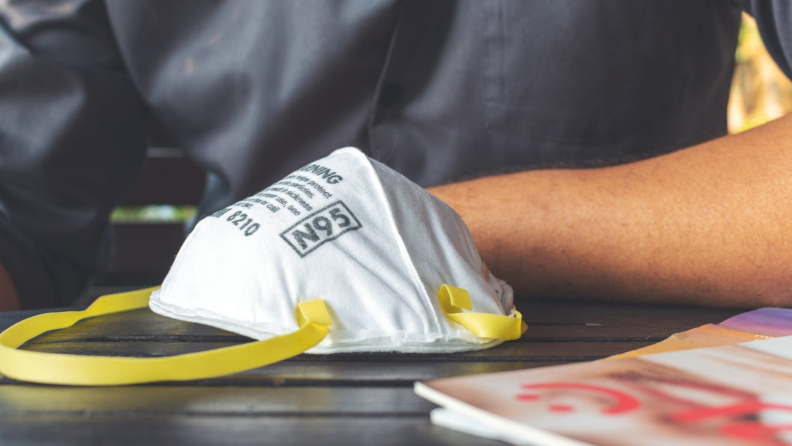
(484, 325)
(56, 368)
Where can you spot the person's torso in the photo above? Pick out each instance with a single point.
(438, 90)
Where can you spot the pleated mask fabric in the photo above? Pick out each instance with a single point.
(374, 246)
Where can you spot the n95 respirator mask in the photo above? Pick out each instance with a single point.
(375, 247)
(343, 255)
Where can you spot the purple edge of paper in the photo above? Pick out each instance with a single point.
(764, 321)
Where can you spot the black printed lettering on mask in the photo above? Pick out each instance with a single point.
(240, 217)
(324, 172)
(322, 226)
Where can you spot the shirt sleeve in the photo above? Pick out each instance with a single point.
(774, 20)
(72, 139)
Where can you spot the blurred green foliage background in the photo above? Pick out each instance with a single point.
(760, 91)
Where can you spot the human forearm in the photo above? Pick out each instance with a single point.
(8, 295)
(709, 225)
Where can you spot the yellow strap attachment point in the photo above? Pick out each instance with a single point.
(55, 368)
(484, 325)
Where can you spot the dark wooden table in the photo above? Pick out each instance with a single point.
(309, 400)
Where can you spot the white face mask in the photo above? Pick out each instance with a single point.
(373, 245)
(344, 255)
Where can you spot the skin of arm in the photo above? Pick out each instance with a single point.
(8, 293)
(708, 225)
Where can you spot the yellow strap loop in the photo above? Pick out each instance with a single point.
(454, 300)
(56, 368)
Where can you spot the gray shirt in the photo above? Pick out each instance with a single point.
(439, 90)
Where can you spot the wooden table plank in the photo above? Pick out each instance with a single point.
(506, 352)
(350, 374)
(214, 401)
(559, 321)
(145, 334)
(125, 430)
(310, 399)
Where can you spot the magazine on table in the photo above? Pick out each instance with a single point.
(738, 394)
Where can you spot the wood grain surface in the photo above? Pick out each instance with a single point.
(309, 400)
